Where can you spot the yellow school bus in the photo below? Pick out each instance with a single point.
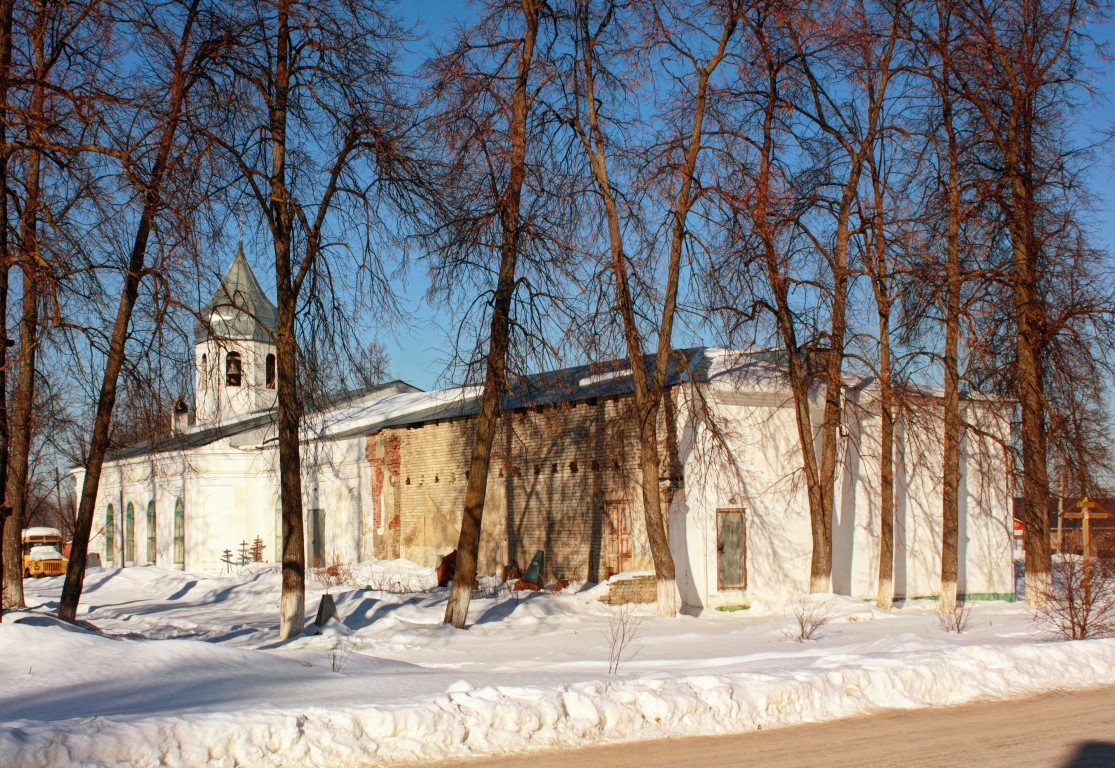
(42, 552)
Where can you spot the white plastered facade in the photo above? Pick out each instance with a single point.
(750, 462)
(742, 453)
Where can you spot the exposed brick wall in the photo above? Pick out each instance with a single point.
(558, 475)
(640, 589)
(385, 459)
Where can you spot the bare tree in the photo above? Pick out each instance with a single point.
(882, 268)
(802, 135)
(1015, 65)
(761, 214)
(848, 113)
(950, 514)
(147, 165)
(316, 132)
(31, 268)
(7, 8)
(673, 164)
(513, 33)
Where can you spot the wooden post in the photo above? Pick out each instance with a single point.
(1089, 510)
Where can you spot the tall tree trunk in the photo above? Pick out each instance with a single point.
(762, 217)
(24, 396)
(950, 470)
(881, 278)
(292, 601)
(102, 422)
(1030, 342)
(1035, 478)
(877, 75)
(23, 400)
(1031, 62)
(292, 608)
(648, 394)
(884, 593)
(114, 358)
(6, 9)
(508, 206)
(820, 572)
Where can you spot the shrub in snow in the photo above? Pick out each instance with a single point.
(335, 575)
(811, 614)
(955, 620)
(623, 627)
(339, 653)
(1080, 603)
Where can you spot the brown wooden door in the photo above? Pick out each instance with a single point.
(619, 547)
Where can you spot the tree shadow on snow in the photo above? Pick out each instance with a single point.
(1092, 754)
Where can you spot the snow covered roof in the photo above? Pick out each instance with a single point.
(252, 423)
(610, 378)
(41, 530)
(396, 404)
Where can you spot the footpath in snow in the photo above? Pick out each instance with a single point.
(185, 670)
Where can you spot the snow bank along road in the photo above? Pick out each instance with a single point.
(1054, 730)
(185, 670)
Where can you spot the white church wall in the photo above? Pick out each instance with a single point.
(228, 497)
(754, 463)
(986, 531)
(751, 464)
(214, 399)
(856, 518)
(335, 471)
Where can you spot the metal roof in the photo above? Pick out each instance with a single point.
(201, 437)
(579, 383)
(239, 309)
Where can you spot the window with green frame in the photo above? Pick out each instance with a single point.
(152, 548)
(130, 533)
(110, 534)
(179, 532)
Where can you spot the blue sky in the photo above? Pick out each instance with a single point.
(419, 349)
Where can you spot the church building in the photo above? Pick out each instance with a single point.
(385, 470)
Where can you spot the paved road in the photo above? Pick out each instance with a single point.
(1062, 730)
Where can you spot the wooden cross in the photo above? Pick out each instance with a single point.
(1089, 511)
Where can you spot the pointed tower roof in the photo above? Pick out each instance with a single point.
(239, 309)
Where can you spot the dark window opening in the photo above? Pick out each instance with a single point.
(269, 368)
(152, 544)
(731, 548)
(179, 532)
(232, 369)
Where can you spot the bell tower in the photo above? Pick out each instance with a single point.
(234, 350)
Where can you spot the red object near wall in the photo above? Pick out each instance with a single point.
(446, 569)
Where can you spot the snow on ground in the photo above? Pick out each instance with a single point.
(186, 670)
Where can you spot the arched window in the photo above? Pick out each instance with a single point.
(269, 368)
(204, 367)
(152, 550)
(130, 533)
(179, 532)
(232, 369)
(110, 534)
